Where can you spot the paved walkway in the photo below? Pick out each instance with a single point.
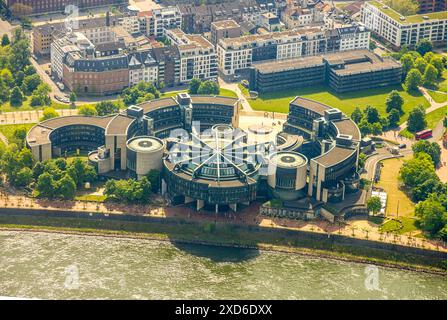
(357, 228)
(234, 87)
(31, 116)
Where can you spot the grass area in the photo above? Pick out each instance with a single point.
(434, 117)
(438, 97)
(223, 234)
(91, 197)
(8, 129)
(6, 107)
(396, 197)
(223, 92)
(346, 102)
(407, 134)
(404, 225)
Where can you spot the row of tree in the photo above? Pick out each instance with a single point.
(102, 108)
(143, 91)
(197, 86)
(418, 175)
(18, 78)
(131, 190)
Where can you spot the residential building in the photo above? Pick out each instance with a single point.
(398, 30)
(237, 54)
(198, 58)
(32, 7)
(426, 6)
(224, 29)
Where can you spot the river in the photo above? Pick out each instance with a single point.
(58, 266)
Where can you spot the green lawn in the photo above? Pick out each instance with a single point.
(6, 107)
(438, 97)
(394, 226)
(223, 92)
(434, 117)
(346, 102)
(8, 129)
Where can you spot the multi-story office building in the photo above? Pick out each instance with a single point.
(344, 72)
(30, 7)
(198, 58)
(399, 30)
(238, 54)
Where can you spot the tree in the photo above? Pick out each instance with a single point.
(6, 76)
(209, 87)
(5, 40)
(20, 54)
(357, 115)
(20, 76)
(45, 185)
(24, 177)
(420, 64)
(30, 83)
(419, 175)
(365, 127)
(430, 75)
(431, 148)
(81, 172)
(437, 62)
(407, 62)
(376, 128)
(87, 110)
(394, 101)
(414, 80)
(49, 113)
(393, 118)
(416, 119)
(429, 56)
(362, 161)
(41, 96)
(424, 46)
(16, 97)
(154, 178)
(372, 114)
(432, 216)
(73, 98)
(66, 187)
(105, 108)
(374, 204)
(4, 91)
(194, 85)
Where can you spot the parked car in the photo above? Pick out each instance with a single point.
(402, 146)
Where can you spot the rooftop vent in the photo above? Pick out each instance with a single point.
(385, 7)
(402, 18)
(425, 17)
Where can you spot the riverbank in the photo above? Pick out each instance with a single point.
(228, 236)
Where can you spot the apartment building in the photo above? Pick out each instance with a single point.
(426, 6)
(32, 7)
(94, 28)
(198, 58)
(237, 54)
(225, 29)
(399, 30)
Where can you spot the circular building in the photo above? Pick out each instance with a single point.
(214, 169)
(144, 153)
(287, 175)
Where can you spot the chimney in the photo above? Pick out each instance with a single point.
(108, 19)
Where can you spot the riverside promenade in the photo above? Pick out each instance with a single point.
(356, 228)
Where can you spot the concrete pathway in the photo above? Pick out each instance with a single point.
(31, 116)
(234, 87)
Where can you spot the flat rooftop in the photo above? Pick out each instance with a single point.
(225, 24)
(40, 133)
(334, 156)
(311, 105)
(347, 127)
(273, 66)
(417, 18)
